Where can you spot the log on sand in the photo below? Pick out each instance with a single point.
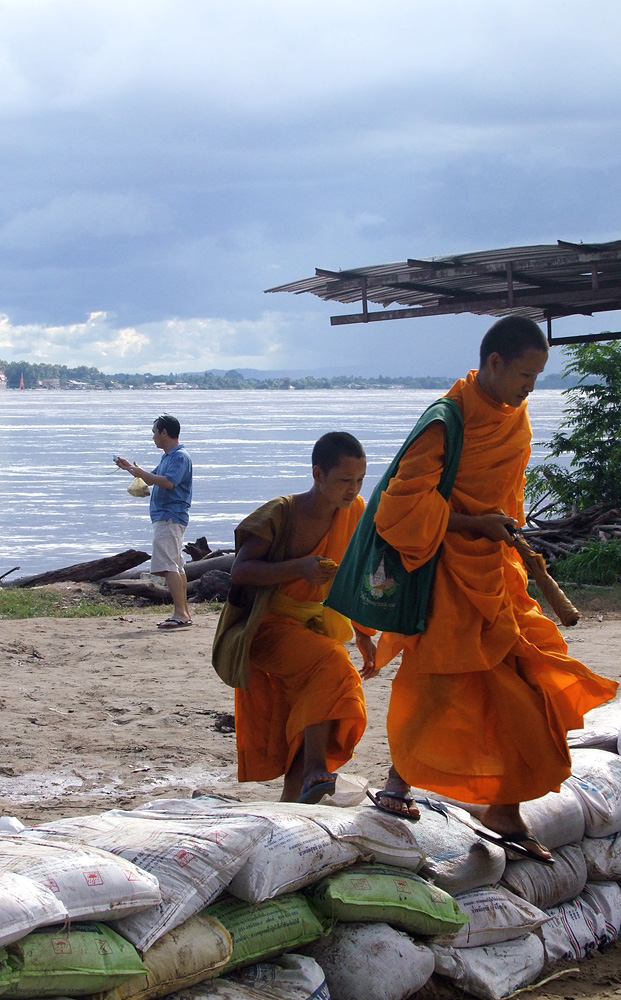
(86, 572)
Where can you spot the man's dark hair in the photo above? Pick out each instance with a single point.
(333, 446)
(510, 337)
(169, 424)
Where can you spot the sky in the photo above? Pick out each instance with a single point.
(163, 162)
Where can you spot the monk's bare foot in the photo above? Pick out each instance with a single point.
(507, 821)
(396, 797)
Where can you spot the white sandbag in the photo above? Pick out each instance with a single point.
(290, 977)
(596, 780)
(555, 819)
(603, 857)
(26, 904)
(495, 915)
(455, 858)
(602, 738)
(304, 843)
(606, 897)
(371, 962)
(547, 886)
(193, 859)
(90, 883)
(573, 931)
(492, 971)
(189, 954)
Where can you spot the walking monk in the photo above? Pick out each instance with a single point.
(484, 697)
(299, 706)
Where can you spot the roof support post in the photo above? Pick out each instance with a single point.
(509, 266)
(365, 302)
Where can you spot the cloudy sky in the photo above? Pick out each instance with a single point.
(162, 162)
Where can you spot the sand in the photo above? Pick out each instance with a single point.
(99, 713)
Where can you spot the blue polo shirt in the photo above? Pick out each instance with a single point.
(173, 504)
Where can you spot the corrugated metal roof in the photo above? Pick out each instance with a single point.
(541, 282)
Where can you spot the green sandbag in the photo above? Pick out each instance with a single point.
(384, 893)
(260, 930)
(76, 961)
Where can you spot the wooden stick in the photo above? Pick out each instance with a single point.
(535, 565)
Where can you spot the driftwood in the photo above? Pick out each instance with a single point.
(555, 539)
(87, 572)
(145, 589)
(193, 569)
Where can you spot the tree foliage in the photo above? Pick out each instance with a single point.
(590, 432)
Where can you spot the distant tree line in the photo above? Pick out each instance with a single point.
(52, 376)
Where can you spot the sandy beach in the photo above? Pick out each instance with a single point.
(108, 712)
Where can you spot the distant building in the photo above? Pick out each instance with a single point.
(4, 382)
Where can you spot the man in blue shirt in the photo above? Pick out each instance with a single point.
(171, 496)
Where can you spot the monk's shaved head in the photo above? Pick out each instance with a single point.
(332, 447)
(511, 337)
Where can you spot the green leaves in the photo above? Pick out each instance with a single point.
(590, 432)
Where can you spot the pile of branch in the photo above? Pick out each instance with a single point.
(559, 538)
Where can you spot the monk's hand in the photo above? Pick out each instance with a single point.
(498, 527)
(367, 649)
(317, 569)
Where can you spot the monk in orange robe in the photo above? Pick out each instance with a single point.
(303, 710)
(484, 697)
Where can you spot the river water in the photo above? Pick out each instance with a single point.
(65, 502)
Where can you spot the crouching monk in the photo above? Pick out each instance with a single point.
(299, 706)
(484, 697)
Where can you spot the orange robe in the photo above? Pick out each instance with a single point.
(299, 677)
(483, 699)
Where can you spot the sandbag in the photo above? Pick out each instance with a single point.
(193, 859)
(304, 843)
(606, 898)
(265, 929)
(456, 859)
(188, 954)
(495, 915)
(556, 819)
(25, 905)
(371, 962)
(545, 887)
(90, 883)
(492, 971)
(385, 893)
(603, 857)
(596, 780)
(573, 931)
(74, 961)
(290, 977)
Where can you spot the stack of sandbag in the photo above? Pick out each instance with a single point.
(501, 949)
(46, 891)
(591, 917)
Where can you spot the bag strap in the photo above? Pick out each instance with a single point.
(448, 412)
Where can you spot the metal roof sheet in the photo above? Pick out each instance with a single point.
(541, 282)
